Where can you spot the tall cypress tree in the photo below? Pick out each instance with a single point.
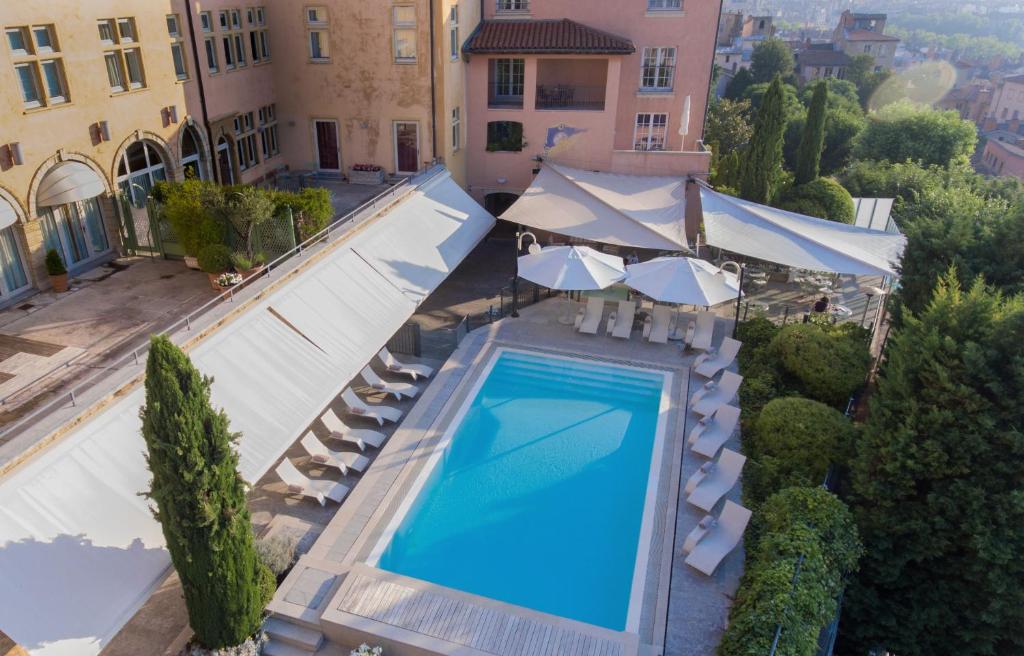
(808, 156)
(200, 499)
(762, 164)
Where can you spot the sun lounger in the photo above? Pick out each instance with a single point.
(658, 324)
(712, 361)
(298, 483)
(397, 390)
(711, 432)
(703, 330)
(712, 540)
(378, 413)
(715, 394)
(620, 321)
(588, 319)
(340, 459)
(714, 479)
(361, 437)
(414, 371)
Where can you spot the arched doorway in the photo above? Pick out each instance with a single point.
(192, 161)
(498, 202)
(225, 167)
(141, 167)
(13, 272)
(70, 214)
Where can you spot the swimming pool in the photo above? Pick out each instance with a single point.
(536, 495)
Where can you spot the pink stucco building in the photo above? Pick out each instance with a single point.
(602, 85)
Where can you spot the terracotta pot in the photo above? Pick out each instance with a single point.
(247, 273)
(213, 281)
(59, 283)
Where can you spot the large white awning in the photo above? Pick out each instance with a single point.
(79, 549)
(68, 182)
(796, 240)
(626, 210)
(8, 215)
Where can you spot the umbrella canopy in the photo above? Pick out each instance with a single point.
(683, 280)
(571, 268)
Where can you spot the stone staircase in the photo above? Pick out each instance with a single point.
(288, 638)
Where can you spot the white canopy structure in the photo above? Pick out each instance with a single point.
(624, 210)
(572, 268)
(68, 182)
(683, 280)
(79, 548)
(796, 240)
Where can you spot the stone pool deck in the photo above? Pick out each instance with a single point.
(331, 591)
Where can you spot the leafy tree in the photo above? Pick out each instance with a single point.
(937, 484)
(737, 86)
(189, 208)
(825, 363)
(861, 72)
(725, 169)
(902, 131)
(200, 501)
(809, 154)
(841, 129)
(790, 101)
(822, 197)
(761, 169)
(842, 94)
(727, 125)
(771, 58)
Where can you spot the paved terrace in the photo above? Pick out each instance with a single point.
(329, 585)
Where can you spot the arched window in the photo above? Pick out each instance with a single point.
(140, 168)
(191, 155)
(13, 276)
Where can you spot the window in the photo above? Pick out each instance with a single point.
(659, 66)
(124, 61)
(504, 136)
(211, 54)
(240, 50)
(319, 50)
(223, 20)
(453, 31)
(456, 128)
(191, 160)
(229, 53)
(268, 131)
(206, 21)
(508, 77)
(403, 22)
(664, 5)
(245, 141)
(13, 276)
(650, 131)
(318, 45)
(177, 47)
(38, 65)
(172, 25)
(867, 47)
(259, 39)
(233, 39)
(140, 168)
(828, 71)
(513, 5)
(75, 230)
(316, 15)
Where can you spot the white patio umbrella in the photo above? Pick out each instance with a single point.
(571, 268)
(683, 280)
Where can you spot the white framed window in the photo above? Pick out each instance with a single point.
(659, 68)
(453, 32)
(31, 96)
(172, 25)
(650, 131)
(126, 30)
(38, 65)
(316, 15)
(236, 19)
(509, 76)
(133, 62)
(240, 50)
(123, 59)
(403, 23)
(268, 131)
(223, 20)
(206, 21)
(210, 44)
(177, 47)
(456, 128)
(42, 37)
(18, 41)
(317, 39)
(664, 5)
(513, 5)
(318, 50)
(229, 52)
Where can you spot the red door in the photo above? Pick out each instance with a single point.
(327, 145)
(407, 147)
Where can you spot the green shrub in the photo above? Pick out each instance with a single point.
(756, 333)
(824, 198)
(214, 258)
(758, 388)
(277, 552)
(311, 209)
(824, 363)
(190, 208)
(792, 442)
(819, 509)
(54, 263)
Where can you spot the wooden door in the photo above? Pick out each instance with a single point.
(407, 147)
(328, 155)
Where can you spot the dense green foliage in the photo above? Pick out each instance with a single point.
(902, 131)
(761, 167)
(311, 209)
(190, 207)
(977, 47)
(823, 197)
(762, 379)
(825, 363)
(200, 501)
(770, 59)
(808, 157)
(54, 263)
(214, 258)
(792, 443)
(809, 526)
(791, 105)
(937, 484)
(861, 73)
(738, 85)
(728, 127)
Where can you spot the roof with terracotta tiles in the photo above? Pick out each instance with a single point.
(545, 36)
(868, 35)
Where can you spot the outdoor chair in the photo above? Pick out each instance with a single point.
(659, 324)
(397, 390)
(710, 362)
(703, 331)
(357, 436)
(342, 460)
(620, 321)
(300, 484)
(378, 413)
(714, 479)
(588, 319)
(414, 371)
(712, 540)
(716, 394)
(714, 430)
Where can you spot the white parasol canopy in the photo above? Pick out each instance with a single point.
(571, 268)
(683, 280)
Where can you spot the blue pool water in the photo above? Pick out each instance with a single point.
(538, 499)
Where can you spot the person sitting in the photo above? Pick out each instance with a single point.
(822, 304)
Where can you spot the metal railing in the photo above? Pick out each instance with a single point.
(136, 356)
(570, 96)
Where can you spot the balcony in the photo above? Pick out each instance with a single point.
(571, 84)
(570, 97)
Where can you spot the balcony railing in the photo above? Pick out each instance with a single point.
(570, 96)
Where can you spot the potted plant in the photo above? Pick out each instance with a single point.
(57, 271)
(214, 259)
(226, 280)
(366, 174)
(248, 266)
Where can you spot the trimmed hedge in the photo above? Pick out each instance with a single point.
(792, 442)
(824, 363)
(823, 197)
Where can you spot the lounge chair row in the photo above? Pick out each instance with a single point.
(658, 327)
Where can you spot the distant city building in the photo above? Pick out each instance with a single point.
(1002, 158)
(1008, 99)
(737, 38)
(817, 61)
(863, 34)
(970, 101)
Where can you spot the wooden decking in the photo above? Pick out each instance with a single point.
(464, 620)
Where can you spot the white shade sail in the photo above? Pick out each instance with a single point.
(796, 240)
(8, 215)
(68, 182)
(683, 280)
(625, 210)
(571, 268)
(80, 550)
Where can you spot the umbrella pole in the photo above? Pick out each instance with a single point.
(739, 295)
(515, 280)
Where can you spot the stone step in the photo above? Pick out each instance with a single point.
(281, 630)
(276, 648)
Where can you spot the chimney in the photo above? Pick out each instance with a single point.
(990, 124)
(1014, 125)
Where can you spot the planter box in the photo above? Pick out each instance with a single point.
(366, 177)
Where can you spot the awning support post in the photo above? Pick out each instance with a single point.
(739, 295)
